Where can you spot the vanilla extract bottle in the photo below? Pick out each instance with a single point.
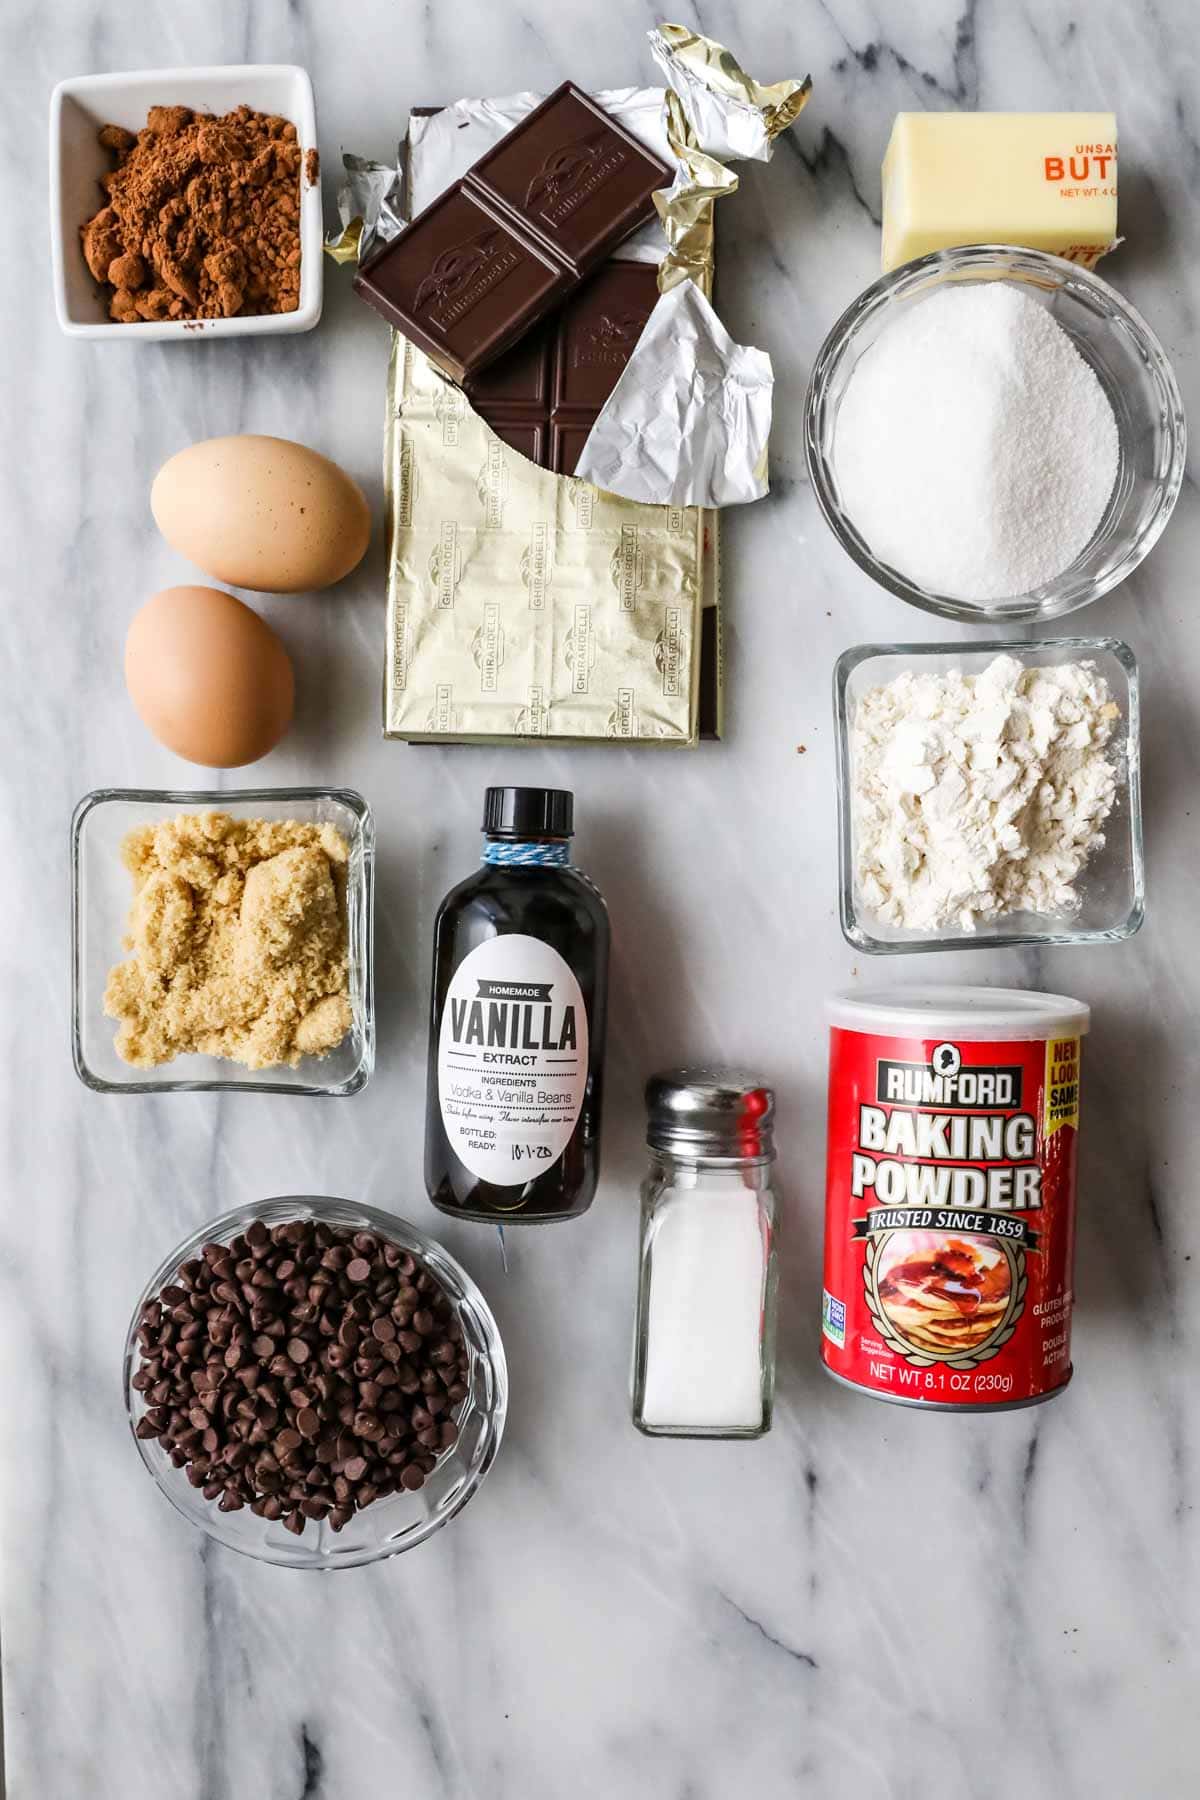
(516, 1034)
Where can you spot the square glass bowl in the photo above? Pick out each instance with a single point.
(81, 106)
(1112, 884)
(101, 894)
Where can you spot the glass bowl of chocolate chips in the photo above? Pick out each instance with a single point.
(315, 1383)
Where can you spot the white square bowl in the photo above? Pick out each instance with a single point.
(81, 106)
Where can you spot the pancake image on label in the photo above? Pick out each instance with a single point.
(944, 1295)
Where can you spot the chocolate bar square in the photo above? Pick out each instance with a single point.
(578, 181)
(523, 376)
(462, 281)
(600, 328)
(529, 438)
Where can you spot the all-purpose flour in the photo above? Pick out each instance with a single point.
(975, 448)
(977, 795)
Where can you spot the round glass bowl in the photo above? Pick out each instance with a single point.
(397, 1521)
(1126, 357)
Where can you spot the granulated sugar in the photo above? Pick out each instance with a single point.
(976, 449)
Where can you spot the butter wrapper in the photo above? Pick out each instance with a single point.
(1046, 181)
(524, 604)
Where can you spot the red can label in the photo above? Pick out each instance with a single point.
(950, 1217)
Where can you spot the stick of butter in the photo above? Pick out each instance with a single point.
(1047, 181)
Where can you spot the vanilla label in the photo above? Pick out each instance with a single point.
(512, 1059)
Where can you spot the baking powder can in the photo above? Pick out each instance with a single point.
(950, 1195)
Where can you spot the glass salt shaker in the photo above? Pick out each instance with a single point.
(704, 1344)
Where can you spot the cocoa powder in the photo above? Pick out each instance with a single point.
(202, 217)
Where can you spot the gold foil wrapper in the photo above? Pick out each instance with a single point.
(714, 111)
(524, 604)
(344, 246)
(685, 209)
(753, 113)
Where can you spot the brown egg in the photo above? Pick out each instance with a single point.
(262, 513)
(208, 677)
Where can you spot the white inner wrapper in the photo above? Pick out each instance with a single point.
(688, 421)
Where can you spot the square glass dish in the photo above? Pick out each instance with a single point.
(1111, 885)
(101, 894)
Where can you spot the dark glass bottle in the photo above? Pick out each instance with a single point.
(516, 1033)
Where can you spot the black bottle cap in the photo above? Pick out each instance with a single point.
(521, 812)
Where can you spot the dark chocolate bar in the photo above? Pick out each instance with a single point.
(510, 242)
(543, 395)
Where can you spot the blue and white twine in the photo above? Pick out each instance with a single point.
(534, 855)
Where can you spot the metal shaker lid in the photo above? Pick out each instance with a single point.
(710, 1112)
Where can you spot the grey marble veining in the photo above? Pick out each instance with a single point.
(868, 1604)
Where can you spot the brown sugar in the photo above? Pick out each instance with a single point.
(202, 217)
(238, 940)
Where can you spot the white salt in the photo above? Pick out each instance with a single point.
(704, 1317)
(975, 449)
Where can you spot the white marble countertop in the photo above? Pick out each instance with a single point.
(869, 1603)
